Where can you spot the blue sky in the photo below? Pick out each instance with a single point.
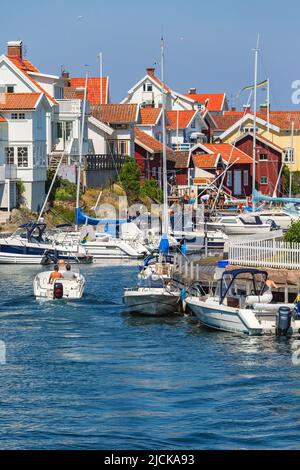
(208, 44)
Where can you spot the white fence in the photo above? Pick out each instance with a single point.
(265, 253)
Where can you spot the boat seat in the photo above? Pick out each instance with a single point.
(257, 221)
(233, 302)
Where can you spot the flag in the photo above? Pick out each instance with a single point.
(259, 85)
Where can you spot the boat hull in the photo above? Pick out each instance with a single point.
(151, 302)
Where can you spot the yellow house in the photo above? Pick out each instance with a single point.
(282, 129)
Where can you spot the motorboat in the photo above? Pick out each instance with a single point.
(156, 293)
(240, 225)
(243, 303)
(64, 288)
(30, 245)
(197, 239)
(282, 217)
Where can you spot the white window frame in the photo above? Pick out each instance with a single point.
(22, 160)
(263, 159)
(9, 157)
(264, 182)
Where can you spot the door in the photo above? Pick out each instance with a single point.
(237, 182)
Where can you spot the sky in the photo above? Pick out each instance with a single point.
(208, 44)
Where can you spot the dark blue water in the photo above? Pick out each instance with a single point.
(82, 375)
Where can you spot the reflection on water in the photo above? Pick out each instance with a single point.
(85, 375)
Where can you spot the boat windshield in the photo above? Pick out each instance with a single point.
(239, 283)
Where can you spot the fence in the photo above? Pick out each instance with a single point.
(189, 271)
(265, 253)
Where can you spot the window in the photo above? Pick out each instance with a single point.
(123, 147)
(263, 156)
(17, 115)
(249, 129)
(22, 157)
(10, 88)
(246, 178)
(9, 155)
(263, 180)
(147, 86)
(229, 178)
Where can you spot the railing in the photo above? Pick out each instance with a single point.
(11, 172)
(183, 146)
(104, 162)
(71, 106)
(265, 254)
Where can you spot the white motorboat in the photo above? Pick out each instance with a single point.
(240, 225)
(64, 288)
(196, 240)
(156, 293)
(29, 245)
(242, 303)
(281, 217)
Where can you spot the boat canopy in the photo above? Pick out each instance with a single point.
(84, 219)
(34, 230)
(228, 278)
(257, 196)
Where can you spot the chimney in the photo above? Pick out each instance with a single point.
(233, 108)
(247, 108)
(66, 78)
(15, 49)
(193, 91)
(150, 71)
(263, 109)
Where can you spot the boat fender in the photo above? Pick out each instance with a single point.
(183, 295)
(283, 321)
(266, 298)
(58, 290)
(155, 277)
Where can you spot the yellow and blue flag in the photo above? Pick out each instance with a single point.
(259, 85)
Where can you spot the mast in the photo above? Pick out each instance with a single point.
(165, 225)
(100, 74)
(291, 160)
(80, 147)
(254, 123)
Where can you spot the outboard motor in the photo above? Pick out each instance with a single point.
(58, 290)
(283, 321)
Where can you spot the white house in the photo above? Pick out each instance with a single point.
(148, 92)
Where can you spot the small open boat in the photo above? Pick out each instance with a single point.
(70, 288)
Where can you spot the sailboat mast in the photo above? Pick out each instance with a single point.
(254, 124)
(81, 145)
(165, 182)
(291, 160)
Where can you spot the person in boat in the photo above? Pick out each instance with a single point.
(55, 274)
(221, 200)
(68, 274)
(270, 284)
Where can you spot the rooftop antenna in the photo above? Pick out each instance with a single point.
(100, 57)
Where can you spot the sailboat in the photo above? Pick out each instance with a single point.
(156, 294)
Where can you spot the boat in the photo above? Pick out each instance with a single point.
(156, 293)
(240, 225)
(71, 288)
(30, 245)
(196, 240)
(243, 303)
(283, 218)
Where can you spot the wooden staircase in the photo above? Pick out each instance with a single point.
(54, 159)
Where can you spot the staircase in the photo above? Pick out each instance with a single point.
(54, 159)
(4, 217)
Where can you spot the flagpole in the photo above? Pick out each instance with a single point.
(100, 74)
(268, 102)
(254, 124)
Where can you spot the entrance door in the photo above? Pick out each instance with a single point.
(237, 182)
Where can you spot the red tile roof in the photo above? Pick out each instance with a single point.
(183, 117)
(229, 153)
(205, 161)
(2, 119)
(281, 119)
(9, 101)
(149, 116)
(181, 159)
(150, 142)
(25, 66)
(93, 88)
(115, 113)
(215, 101)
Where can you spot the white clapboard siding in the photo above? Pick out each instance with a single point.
(265, 253)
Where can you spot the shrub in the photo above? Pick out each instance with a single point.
(129, 178)
(151, 189)
(293, 233)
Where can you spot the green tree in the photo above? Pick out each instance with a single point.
(150, 189)
(129, 178)
(20, 192)
(286, 181)
(293, 233)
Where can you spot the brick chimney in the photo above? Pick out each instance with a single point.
(193, 91)
(150, 71)
(15, 49)
(247, 108)
(263, 109)
(233, 108)
(66, 78)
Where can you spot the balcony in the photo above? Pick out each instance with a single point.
(183, 146)
(10, 172)
(71, 107)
